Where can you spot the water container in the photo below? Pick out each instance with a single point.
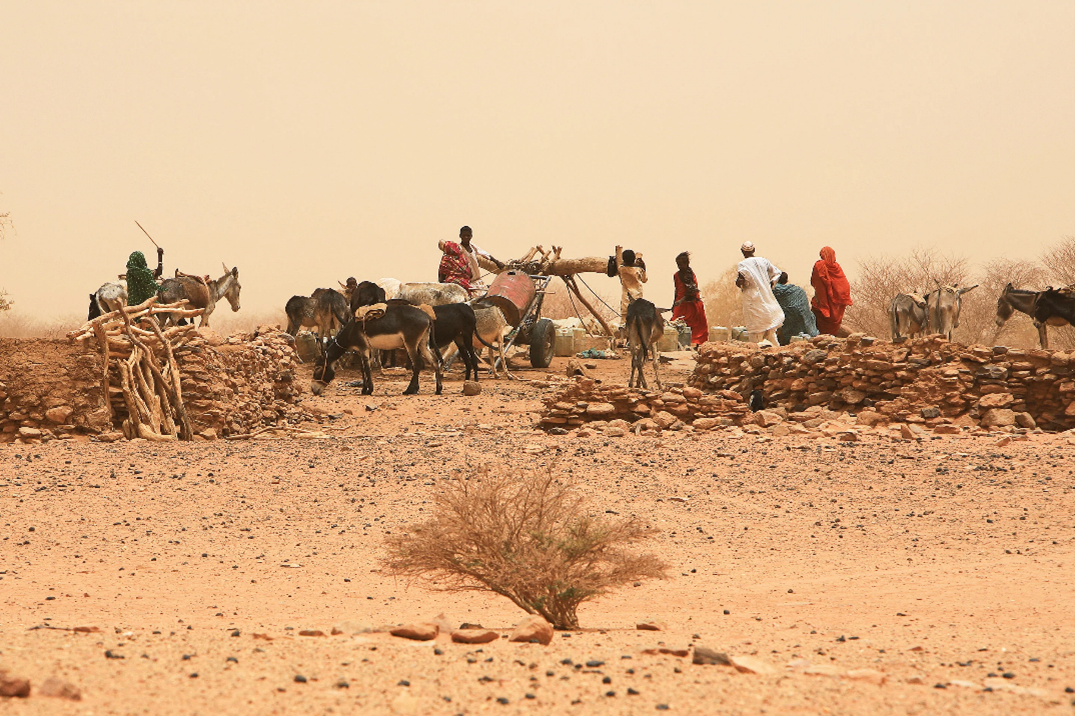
(670, 341)
(306, 346)
(565, 341)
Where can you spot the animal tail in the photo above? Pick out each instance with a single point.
(484, 342)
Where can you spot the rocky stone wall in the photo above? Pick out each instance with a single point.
(49, 389)
(832, 387)
(587, 401)
(928, 380)
(52, 389)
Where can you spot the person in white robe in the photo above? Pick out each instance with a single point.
(761, 312)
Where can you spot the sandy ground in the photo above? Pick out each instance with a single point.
(945, 564)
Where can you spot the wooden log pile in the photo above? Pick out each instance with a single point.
(587, 401)
(139, 373)
(928, 380)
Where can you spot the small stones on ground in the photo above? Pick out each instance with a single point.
(341, 684)
(300, 679)
(311, 632)
(651, 625)
(109, 654)
(472, 387)
(533, 629)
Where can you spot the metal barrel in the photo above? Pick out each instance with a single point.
(512, 292)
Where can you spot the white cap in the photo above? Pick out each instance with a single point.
(747, 246)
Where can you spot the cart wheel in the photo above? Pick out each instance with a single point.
(542, 343)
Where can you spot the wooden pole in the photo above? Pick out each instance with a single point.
(570, 281)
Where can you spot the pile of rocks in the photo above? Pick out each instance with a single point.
(929, 380)
(587, 401)
(234, 386)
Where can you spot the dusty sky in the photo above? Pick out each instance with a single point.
(306, 142)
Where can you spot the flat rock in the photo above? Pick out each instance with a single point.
(706, 656)
(651, 625)
(58, 688)
(418, 632)
(871, 675)
(474, 636)
(533, 629)
(14, 687)
(751, 665)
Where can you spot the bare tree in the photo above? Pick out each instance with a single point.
(723, 302)
(1059, 263)
(881, 278)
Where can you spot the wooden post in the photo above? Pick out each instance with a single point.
(570, 281)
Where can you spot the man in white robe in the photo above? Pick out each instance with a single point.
(761, 311)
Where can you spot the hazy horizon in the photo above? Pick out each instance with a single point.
(308, 143)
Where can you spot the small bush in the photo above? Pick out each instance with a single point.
(529, 538)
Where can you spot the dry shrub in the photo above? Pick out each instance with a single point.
(5, 302)
(225, 322)
(15, 324)
(529, 538)
(723, 302)
(1058, 263)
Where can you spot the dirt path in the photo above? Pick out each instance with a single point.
(934, 562)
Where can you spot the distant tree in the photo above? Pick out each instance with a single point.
(5, 227)
(1059, 263)
(723, 302)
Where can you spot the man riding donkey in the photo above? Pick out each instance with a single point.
(461, 263)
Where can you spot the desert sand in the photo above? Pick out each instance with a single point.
(938, 572)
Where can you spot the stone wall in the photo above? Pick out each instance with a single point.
(831, 386)
(49, 389)
(52, 389)
(587, 401)
(927, 380)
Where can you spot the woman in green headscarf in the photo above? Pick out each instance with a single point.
(141, 282)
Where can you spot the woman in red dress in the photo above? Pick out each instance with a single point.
(688, 305)
(832, 293)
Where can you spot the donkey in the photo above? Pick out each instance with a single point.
(109, 297)
(645, 327)
(943, 306)
(1045, 308)
(325, 309)
(907, 317)
(400, 326)
(202, 293)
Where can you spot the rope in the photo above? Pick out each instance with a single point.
(578, 315)
(614, 311)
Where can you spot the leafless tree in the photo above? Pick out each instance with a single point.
(723, 302)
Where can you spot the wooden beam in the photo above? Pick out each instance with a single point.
(570, 281)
